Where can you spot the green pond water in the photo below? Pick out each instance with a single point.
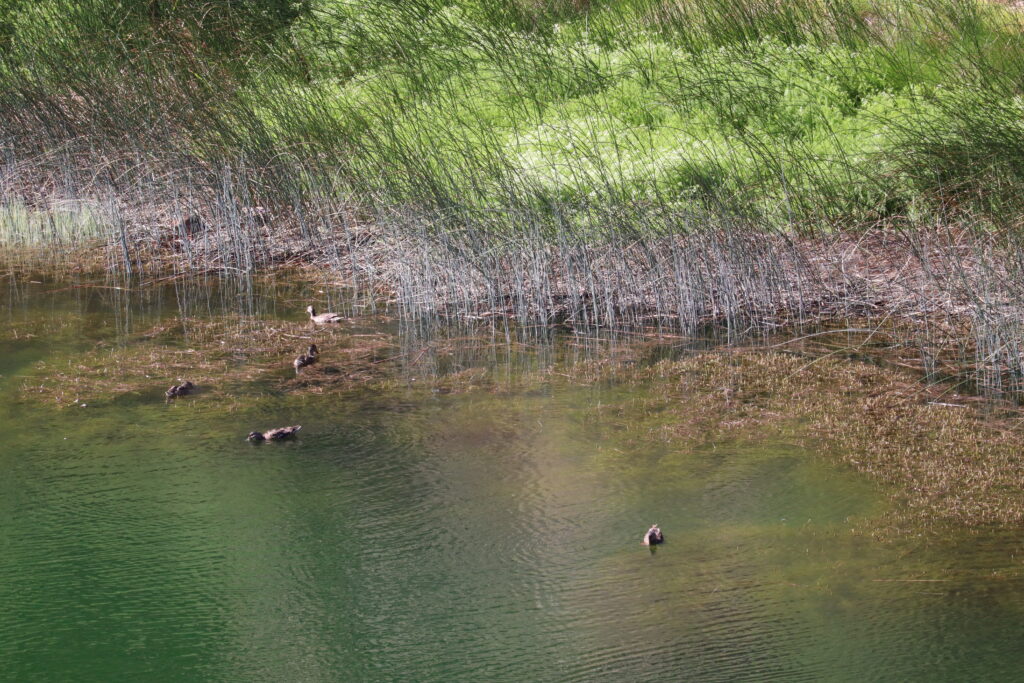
(413, 535)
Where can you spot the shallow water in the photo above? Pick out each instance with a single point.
(412, 535)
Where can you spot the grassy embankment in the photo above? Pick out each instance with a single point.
(803, 115)
(656, 161)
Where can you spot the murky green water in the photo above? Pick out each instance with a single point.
(410, 535)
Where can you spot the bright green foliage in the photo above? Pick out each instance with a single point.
(798, 113)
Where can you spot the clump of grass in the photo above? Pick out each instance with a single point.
(66, 236)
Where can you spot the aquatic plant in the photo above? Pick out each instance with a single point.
(225, 357)
(942, 458)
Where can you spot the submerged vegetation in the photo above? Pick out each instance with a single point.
(942, 461)
(224, 357)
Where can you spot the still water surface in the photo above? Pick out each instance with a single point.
(416, 536)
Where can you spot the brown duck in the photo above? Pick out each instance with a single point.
(306, 359)
(182, 389)
(323, 318)
(653, 536)
(274, 434)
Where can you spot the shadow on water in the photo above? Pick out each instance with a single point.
(413, 534)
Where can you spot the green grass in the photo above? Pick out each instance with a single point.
(805, 114)
(68, 224)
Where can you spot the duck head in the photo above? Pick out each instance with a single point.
(255, 436)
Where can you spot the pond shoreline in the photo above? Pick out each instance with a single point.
(947, 298)
(740, 275)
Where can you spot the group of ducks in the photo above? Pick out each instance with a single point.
(312, 355)
(652, 536)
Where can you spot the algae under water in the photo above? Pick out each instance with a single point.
(410, 534)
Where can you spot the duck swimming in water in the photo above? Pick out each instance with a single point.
(177, 390)
(306, 359)
(323, 318)
(274, 434)
(653, 536)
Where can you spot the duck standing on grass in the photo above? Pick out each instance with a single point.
(306, 359)
(274, 434)
(323, 318)
(182, 389)
(653, 536)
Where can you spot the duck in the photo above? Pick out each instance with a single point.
(653, 536)
(323, 318)
(180, 389)
(307, 358)
(274, 434)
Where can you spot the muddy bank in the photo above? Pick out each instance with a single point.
(952, 293)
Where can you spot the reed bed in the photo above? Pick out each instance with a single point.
(644, 164)
(949, 293)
